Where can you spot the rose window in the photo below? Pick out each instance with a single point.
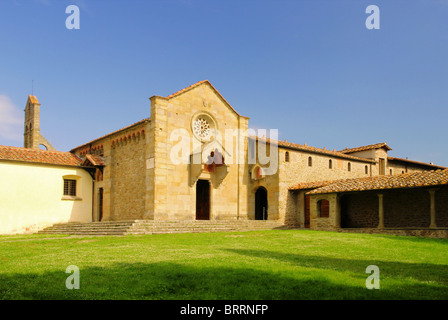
(201, 128)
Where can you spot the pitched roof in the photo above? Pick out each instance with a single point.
(194, 85)
(306, 148)
(94, 160)
(38, 156)
(368, 147)
(406, 180)
(33, 99)
(198, 84)
(112, 133)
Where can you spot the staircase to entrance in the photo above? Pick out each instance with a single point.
(140, 227)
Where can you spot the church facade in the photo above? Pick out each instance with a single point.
(195, 158)
(141, 180)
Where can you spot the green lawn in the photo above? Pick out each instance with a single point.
(271, 265)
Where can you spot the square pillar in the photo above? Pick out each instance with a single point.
(337, 217)
(380, 211)
(432, 195)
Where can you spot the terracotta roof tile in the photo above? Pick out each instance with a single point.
(369, 147)
(312, 185)
(406, 180)
(39, 156)
(94, 160)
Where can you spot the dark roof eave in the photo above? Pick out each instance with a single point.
(373, 190)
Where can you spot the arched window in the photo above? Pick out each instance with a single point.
(310, 162)
(257, 173)
(349, 166)
(330, 164)
(323, 208)
(286, 156)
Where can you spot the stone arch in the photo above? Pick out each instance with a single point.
(257, 172)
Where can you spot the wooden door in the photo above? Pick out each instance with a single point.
(202, 200)
(307, 211)
(100, 204)
(324, 209)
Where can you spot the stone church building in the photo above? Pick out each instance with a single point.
(195, 158)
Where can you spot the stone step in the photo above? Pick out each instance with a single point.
(94, 224)
(79, 232)
(159, 227)
(90, 227)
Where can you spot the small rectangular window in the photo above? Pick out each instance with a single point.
(69, 187)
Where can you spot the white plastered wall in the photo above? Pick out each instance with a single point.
(31, 196)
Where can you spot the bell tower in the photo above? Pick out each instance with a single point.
(32, 136)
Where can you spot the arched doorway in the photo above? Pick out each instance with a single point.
(261, 204)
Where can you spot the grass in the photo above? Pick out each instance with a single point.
(270, 265)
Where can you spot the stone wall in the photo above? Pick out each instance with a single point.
(270, 183)
(127, 178)
(406, 208)
(398, 167)
(297, 171)
(359, 210)
(324, 223)
(441, 197)
(172, 195)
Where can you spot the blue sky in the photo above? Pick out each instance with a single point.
(309, 68)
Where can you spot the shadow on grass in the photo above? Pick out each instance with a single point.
(166, 281)
(408, 238)
(419, 271)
